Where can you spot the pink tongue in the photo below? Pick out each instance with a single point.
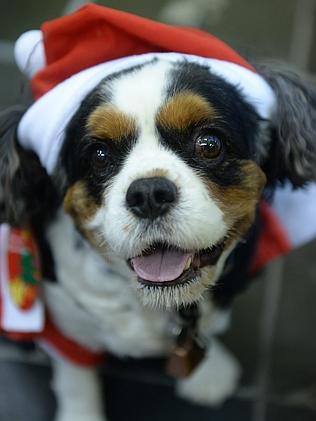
(163, 266)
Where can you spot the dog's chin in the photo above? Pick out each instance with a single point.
(177, 295)
(170, 277)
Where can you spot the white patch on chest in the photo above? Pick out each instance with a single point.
(97, 306)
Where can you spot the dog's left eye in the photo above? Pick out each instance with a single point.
(208, 146)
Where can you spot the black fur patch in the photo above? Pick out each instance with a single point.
(236, 275)
(238, 123)
(78, 146)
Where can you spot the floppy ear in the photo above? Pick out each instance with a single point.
(24, 183)
(292, 151)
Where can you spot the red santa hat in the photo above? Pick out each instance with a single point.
(69, 56)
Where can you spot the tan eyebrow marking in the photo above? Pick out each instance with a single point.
(184, 109)
(107, 122)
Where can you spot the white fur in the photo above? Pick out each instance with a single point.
(95, 305)
(140, 93)
(78, 393)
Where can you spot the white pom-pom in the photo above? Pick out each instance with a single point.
(29, 52)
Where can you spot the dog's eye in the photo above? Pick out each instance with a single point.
(99, 155)
(208, 146)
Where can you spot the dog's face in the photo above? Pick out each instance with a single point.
(164, 166)
(163, 174)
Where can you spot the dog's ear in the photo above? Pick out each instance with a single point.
(291, 154)
(24, 183)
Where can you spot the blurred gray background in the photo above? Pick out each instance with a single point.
(273, 327)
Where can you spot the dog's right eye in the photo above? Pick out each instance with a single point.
(98, 155)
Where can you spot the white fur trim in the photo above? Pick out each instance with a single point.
(29, 53)
(297, 211)
(42, 127)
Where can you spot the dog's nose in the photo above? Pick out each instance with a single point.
(151, 197)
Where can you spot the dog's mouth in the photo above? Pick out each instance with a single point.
(165, 265)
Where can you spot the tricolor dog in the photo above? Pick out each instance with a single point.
(139, 171)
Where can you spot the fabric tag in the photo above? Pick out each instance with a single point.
(21, 309)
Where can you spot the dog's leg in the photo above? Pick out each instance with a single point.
(78, 393)
(214, 380)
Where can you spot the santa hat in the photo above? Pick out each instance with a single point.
(69, 56)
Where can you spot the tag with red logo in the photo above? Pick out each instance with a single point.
(23, 268)
(21, 308)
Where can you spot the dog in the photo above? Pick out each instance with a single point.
(150, 216)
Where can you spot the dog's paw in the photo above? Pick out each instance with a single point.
(78, 416)
(214, 380)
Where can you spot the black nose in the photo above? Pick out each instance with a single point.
(151, 197)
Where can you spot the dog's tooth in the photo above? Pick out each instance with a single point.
(188, 263)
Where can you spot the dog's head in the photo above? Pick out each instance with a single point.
(163, 166)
